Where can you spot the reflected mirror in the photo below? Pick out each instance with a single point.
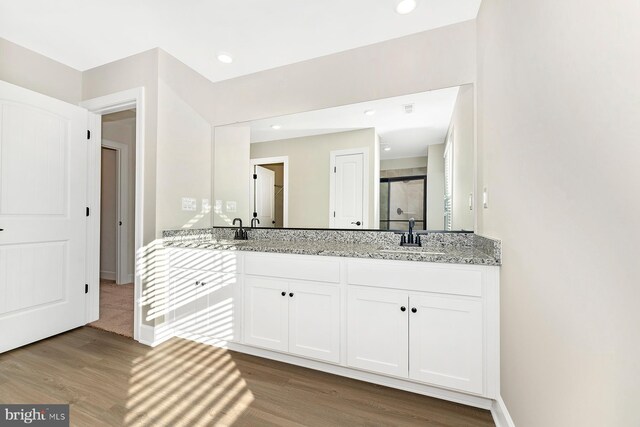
(370, 165)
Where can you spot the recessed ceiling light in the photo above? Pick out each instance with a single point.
(369, 112)
(387, 148)
(225, 58)
(406, 6)
(275, 127)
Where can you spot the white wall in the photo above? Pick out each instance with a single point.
(309, 166)
(559, 132)
(404, 163)
(462, 128)
(30, 70)
(231, 174)
(435, 187)
(183, 163)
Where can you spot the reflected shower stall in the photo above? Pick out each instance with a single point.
(402, 198)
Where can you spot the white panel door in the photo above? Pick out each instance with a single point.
(43, 196)
(446, 341)
(266, 313)
(265, 196)
(378, 330)
(349, 191)
(314, 320)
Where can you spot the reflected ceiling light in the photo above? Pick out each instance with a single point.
(406, 6)
(275, 127)
(225, 58)
(369, 112)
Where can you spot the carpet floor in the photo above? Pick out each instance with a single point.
(116, 308)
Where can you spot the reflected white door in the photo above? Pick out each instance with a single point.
(265, 200)
(349, 191)
(43, 174)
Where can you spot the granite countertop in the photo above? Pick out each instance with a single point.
(428, 253)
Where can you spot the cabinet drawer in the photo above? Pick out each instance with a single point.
(416, 277)
(293, 267)
(204, 259)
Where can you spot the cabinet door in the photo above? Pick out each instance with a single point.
(314, 320)
(220, 290)
(187, 303)
(378, 330)
(445, 341)
(265, 313)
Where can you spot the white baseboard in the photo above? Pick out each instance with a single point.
(153, 335)
(500, 414)
(129, 278)
(107, 275)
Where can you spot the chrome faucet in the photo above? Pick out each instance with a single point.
(241, 233)
(253, 222)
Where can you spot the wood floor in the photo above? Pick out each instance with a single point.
(112, 380)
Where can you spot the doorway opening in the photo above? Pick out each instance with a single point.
(270, 192)
(117, 227)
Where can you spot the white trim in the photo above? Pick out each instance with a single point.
(93, 222)
(500, 414)
(154, 335)
(285, 180)
(365, 185)
(120, 101)
(107, 275)
(122, 208)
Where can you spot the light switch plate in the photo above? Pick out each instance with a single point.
(231, 206)
(189, 204)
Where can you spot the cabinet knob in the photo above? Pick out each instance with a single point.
(203, 283)
(197, 283)
(403, 308)
(283, 293)
(291, 294)
(414, 310)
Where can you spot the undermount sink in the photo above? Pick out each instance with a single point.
(416, 251)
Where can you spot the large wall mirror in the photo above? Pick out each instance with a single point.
(371, 165)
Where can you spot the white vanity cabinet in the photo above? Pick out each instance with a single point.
(424, 337)
(288, 315)
(430, 328)
(203, 294)
(432, 323)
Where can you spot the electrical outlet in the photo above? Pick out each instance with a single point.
(189, 204)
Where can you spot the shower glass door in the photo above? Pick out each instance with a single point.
(403, 198)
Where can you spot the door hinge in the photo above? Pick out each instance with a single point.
(86, 288)
(334, 214)
(255, 176)
(88, 134)
(334, 169)
(87, 210)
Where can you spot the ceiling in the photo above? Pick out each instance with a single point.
(259, 34)
(407, 135)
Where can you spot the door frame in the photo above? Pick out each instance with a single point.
(285, 180)
(365, 185)
(113, 103)
(122, 209)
